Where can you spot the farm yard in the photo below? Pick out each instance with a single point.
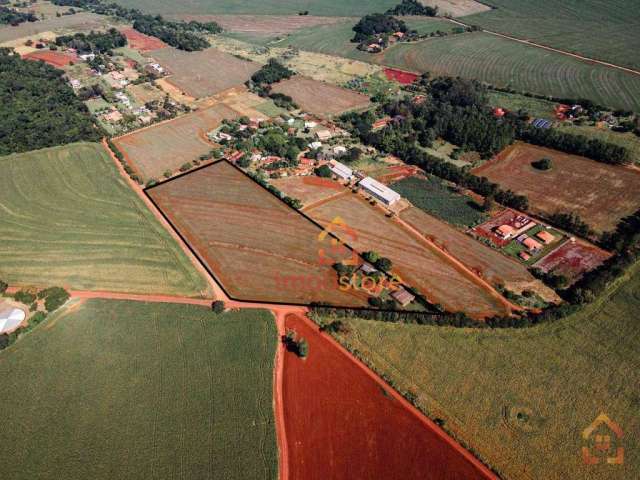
(67, 218)
(335, 414)
(218, 209)
(434, 197)
(321, 98)
(166, 146)
(420, 265)
(328, 8)
(596, 29)
(489, 263)
(572, 259)
(536, 388)
(506, 63)
(205, 73)
(144, 390)
(55, 59)
(141, 42)
(600, 194)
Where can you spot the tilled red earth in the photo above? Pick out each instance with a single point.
(343, 423)
(400, 76)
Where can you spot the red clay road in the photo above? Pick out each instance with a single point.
(344, 422)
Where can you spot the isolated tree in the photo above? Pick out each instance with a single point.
(3, 286)
(218, 306)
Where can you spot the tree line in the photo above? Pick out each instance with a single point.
(35, 103)
(413, 7)
(93, 42)
(187, 36)
(11, 16)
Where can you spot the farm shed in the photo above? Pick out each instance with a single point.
(403, 297)
(341, 170)
(380, 191)
(10, 318)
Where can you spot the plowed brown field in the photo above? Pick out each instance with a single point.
(142, 42)
(342, 422)
(600, 194)
(257, 247)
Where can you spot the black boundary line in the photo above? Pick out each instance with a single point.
(298, 212)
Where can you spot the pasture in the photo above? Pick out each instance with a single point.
(457, 8)
(321, 98)
(205, 73)
(513, 102)
(536, 388)
(83, 21)
(339, 418)
(419, 264)
(506, 63)
(485, 261)
(166, 146)
(328, 8)
(258, 248)
(599, 193)
(68, 218)
(114, 389)
(593, 28)
(434, 197)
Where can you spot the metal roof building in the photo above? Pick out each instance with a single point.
(380, 191)
(341, 170)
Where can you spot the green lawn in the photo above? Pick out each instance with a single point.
(68, 218)
(126, 390)
(521, 398)
(435, 198)
(328, 8)
(606, 30)
(506, 63)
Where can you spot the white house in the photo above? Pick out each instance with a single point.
(315, 145)
(380, 191)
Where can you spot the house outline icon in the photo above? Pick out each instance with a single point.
(602, 442)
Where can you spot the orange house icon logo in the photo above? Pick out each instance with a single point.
(604, 437)
(337, 251)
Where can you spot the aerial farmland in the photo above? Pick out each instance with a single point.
(293, 240)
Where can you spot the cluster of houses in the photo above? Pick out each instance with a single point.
(381, 42)
(518, 229)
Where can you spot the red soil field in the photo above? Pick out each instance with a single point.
(573, 259)
(258, 248)
(342, 422)
(400, 76)
(142, 42)
(55, 59)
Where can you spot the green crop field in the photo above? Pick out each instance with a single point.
(112, 389)
(536, 107)
(329, 8)
(335, 39)
(432, 196)
(506, 63)
(605, 30)
(68, 218)
(521, 398)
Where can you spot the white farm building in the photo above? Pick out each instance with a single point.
(341, 170)
(380, 191)
(10, 318)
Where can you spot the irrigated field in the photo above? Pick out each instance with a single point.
(506, 63)
(257, 247)
(168, 145)
(600, 194)
(329, 8)
(110, 389)
(68, 218)
(487, 262)
(605, 30)
(522, 398)
(205, 73)
(343, 424)
(419, 265)
(321, 98)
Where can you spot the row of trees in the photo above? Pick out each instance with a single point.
(35, 103)
(272, 72)
(413, 7)
(94, 42)
(11, 16)
(182, 35)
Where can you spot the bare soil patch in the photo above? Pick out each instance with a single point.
(142, 42)
(256, 246)
(55, 59)
(600, 194)
(339, 416)
(573, 259)
(309, 189)
(205, 73)
(417, 264)
(321, 98)
(166, 146)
